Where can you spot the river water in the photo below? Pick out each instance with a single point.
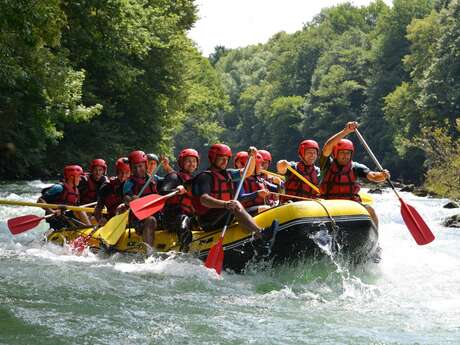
(48, 296)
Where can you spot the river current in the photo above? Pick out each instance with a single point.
(48, 296)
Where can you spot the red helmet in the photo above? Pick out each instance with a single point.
(98, 162)
(72, 170)
(267, 156)
(259, 159)
(122, 164)
(241, 156)
(188, 153)
(219, 149)
(343, 144)
(136, 157)
(307, 144)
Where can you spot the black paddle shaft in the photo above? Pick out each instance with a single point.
(377, 163)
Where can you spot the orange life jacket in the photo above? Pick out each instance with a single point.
(340, 183)
(89, 194)
(295, 186)
(184, 201)
(138, 183)
(222, 189)
(115, 197)
(253, 184)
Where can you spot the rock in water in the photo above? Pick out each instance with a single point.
(451, 204)
(375, 191)
(408, 188)
(452, 222)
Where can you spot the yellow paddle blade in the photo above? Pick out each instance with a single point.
(303, 179)
(114, 229)
(366, 198)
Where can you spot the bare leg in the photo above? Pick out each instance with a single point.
(148, 228)
(245, 219)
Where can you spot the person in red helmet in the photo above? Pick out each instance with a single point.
(178, 212)
(340, 173)
(257, 188)
(308, 152)
(133, 186)
(213, 192)
(111, 193)
(240, 160)
(92, 181)
(267, 159)
(65, 193)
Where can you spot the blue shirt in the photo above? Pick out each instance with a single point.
(52, 193)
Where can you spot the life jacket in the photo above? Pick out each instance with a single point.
(184, 201)
(69, 195)
(295, 186)
(89, 194)
(340, 183)
(222, 189)
(138, 183)
(115, 196)
(252, 184)
(271, 199)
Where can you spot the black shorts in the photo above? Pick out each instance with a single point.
(215, 219)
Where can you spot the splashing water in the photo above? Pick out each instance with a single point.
(49, 296)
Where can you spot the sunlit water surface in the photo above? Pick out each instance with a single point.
(412, 296)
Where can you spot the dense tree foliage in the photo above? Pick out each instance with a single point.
(394, 69)
(92, 78)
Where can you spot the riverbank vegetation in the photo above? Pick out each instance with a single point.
(90, 78)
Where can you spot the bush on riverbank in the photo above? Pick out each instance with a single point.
(443, 161)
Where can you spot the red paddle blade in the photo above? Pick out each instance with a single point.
(146, 206)
(215, 257)
(23, 223)
(79, 244)
(416, 225)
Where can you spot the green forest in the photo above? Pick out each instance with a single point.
(91, 78)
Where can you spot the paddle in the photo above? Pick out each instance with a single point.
(282, 177)
(414, 222)
(21, 224)
(303, 179)
(215, 257)
(43, 205)
(79, 244)
(290, 196)
(365, 198)
(115, 227)
(150, 204)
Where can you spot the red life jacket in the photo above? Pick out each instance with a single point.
(184, 201)
(69, 195)
(295, 186)
(115, 196)
(89, 194)
(340, 183)
(271, 198)
(222, 189)
(252, 184)
(138, 183)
